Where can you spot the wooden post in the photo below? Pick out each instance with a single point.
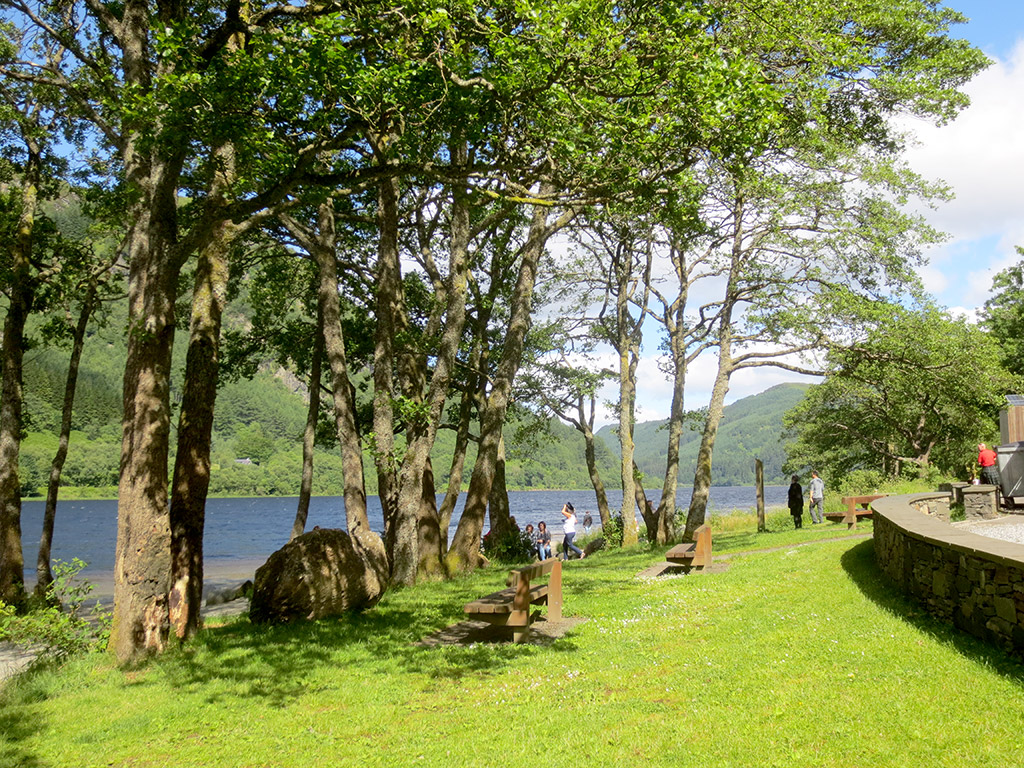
(759, 483)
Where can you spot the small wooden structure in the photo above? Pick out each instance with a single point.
(695, 554)
(510, 608)
(856, 508)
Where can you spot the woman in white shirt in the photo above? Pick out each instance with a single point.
(569, 529)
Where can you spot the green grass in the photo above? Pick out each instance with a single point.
(798, 656)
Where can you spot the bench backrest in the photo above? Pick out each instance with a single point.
(533, 572)
(851, 501)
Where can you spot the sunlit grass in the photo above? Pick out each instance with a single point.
(797, 655)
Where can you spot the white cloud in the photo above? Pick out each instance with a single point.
(980, 155)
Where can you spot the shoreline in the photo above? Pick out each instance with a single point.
(112, 495)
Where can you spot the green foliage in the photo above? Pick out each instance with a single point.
(1004, 315)
(58, 628)
(957, 512)
(613, 531)
(512, 546)
(913, 397)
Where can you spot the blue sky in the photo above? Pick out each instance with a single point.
(980, 156)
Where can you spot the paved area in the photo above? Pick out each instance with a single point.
(1002, 528)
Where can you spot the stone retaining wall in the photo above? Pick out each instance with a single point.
(973, 582)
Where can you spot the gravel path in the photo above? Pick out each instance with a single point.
(1003, 528)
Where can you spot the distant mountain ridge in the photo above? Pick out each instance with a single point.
(751, 429)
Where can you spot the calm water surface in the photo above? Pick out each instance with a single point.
(240, 532)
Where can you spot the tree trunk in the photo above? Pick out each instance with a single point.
(44, 576)
(309, 433)
(627, 346)
(702, 476)
(329, 312)
(416, 466)
(143, 555)
(497, 503)
(451, 497)
(587, 428)
(433, 539)
(399, 531)
(759, 490)
(22, 294)
(191, 479)
(665, 529)
(647, 511)
(463, 555)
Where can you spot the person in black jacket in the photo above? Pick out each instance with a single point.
(796, 502)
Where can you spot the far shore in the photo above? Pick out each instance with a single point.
(110, 494)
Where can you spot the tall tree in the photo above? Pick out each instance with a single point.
(1004, 314)
(154, 81)
(918, 390)
(33, 254)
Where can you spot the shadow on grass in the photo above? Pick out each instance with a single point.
(275, 663)
(859, 564)
(15, 728)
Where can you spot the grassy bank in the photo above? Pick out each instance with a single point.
(794, 656)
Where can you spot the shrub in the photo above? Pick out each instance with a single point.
(57, 628)
(957, 513)
(512, 546)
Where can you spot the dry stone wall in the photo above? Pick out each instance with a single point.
(973, 582)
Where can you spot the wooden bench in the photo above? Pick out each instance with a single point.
(695, 554)
(510, 608)
(856, 508)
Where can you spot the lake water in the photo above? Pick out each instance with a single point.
(241, 533)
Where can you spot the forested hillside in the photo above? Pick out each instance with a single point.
(751, 429)
(258, 427)
(257, 434)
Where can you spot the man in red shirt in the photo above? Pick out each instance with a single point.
(987, 460)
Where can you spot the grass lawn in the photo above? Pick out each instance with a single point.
(799, 656)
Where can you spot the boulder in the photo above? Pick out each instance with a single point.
(594, 546)
(326, 572)
(230, 594)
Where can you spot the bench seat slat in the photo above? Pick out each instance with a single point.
(501, 602)
(682, 552)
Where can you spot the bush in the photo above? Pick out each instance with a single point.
(512, 546)
(57, 628)
(613, 531)
(957, 513)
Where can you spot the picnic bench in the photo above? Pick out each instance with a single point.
(856, 508)
(695, 554)
(510, 608)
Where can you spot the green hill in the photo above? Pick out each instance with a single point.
(751, 429)
(259, 422)
(257, 433)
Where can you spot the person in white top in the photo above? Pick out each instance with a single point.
(569, 529)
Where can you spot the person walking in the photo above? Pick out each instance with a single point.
(817, 492)
(588, 523)
(796, 502)
(569, 530)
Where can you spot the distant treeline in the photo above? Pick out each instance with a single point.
(258, 428)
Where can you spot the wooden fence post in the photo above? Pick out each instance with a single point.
(759, 481)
